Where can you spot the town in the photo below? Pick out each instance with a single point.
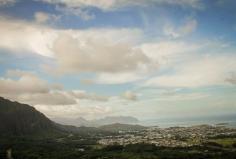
(170, 137)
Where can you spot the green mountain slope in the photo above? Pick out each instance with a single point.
(22, 119)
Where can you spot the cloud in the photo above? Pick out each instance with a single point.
(176, 32)
(7, 2)
(101, 4)
(87, 81)
(76, 51)
(21, 36)
(42, 17)
(75, 111)
(232, 78)
(82, 13)
(116, 4)
(27, 87)
(114, 55)
(129, 95)
(96, 53)
(26, 83)
(118, 78)
(166, 52)
(171, 94)
(82, 8)
(161, 54)
(49, 98)
(19, 73)
(203, 71)
(89, 96)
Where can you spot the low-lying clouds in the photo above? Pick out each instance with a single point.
(28, 88)
(26, 83)
(49, 98)
(75, 111)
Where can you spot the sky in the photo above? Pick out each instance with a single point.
(148, 59)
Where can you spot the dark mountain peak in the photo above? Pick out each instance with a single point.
(22, 119)
(19, 119)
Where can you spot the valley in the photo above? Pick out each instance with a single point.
(41, 138)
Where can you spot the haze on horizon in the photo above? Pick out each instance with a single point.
(142, 58)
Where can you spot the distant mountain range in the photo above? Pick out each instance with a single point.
(122, 127)
(99, 122)
(22, 119)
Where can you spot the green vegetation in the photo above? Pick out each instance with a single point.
(225, 142)
(23, 148)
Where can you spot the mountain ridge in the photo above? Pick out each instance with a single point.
(18, 119)
(80, 121)
(22, 119)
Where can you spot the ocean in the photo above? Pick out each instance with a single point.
(164, 123)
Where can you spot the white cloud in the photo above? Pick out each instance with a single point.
(81, 7)
(175, 32)
(231, 78)
(95, 52)
(161, 54)
(25, 83)
(7, 2)
(42, 17)
(82, 13)
(107, 5)
(19, 73)
(178, 96)
(118, 78)
(89, 96)
(102, 4)
(75, 51)
(49, 98)
(21, 36)
(166, 52)
(75, 111)
(115, 55)
(27, 87)
(129, 95)
(206, 71)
